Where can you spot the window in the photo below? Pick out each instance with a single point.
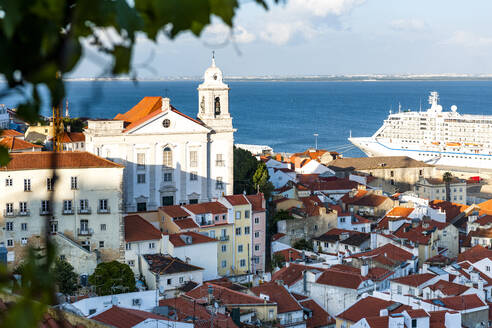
(411, 291)
(212, 233)
(342, 219)
(193, 201)
(84, 206)
(398, 290)
(101, 244)
(74, 183)
(392, 174)
(63, 257)
(219, 160)
(246, 214)
(193, 158)
(10, 243)
(217, 217)
(238, 215)
(242, 263)
(257, 220)
(238, 231)
(8, 182)
(315, 227)
(168, 177)
(193, 176)
(257, 247)
(151, 245)
(141, 178)
(167, 158)
(103, 205)
(24, 226)
(224, 248)
(181, 280)
(169, 281)
(23, 241)
(53, 226)
(246, 230)
(219, 184)
(103, 227)
(257, 234)
(167, 200)
(128, 246)
(141, 207)
(414, 323)
(27, 184)
(67, 207)
(9, 209)
(421, 172)
(131, 263)
(45, 206)
(140, 161)
(92, 311)
(487, 268)
(363, 229)
(49, 184)
(9, 226)
(239, 248)
(23, 207)
(223, 264)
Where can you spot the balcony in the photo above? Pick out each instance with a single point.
(24, 213)
(85, 210)
(85, 231)
(106, 210)
(223, 238)
(9, 214)
(68, 211)
(45, 211)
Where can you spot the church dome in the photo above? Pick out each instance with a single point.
(212, 76)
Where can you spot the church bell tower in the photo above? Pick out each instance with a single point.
(213, 100)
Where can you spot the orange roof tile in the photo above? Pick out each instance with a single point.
(125, 318)
(68, 137)
(62, 160)
(486, 207)
(414, 280)
(139, 229)
(393, 254)
(209, 207)
(400, 211)
(449, 288)
(369, 307)
(174, 211)
(196, 238)
(292, 273)
(459, 303)
(475, 254)
(278, 294)
(346, 279)
(225, 295)
(319, 318)
(419, 313)
(452, 210)
(13, 144)
(235, 200)
(256, 202)
(363, 198)
(290, 254)
(187, 223)
(10, 133)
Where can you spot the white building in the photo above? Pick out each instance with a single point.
(86, 208)
(169, 157)
(4, 117)
(432, 188)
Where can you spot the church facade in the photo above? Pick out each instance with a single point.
(169, 157)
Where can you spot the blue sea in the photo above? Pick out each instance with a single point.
(286, 115)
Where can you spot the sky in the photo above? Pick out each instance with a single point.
(325, 37)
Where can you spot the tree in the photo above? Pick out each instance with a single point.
(447, 177)
(65, 277)
(261, 180)
(278, 260)
(303, 244)
(245, 165)
(112, 278)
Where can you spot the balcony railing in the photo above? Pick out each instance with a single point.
(106, 210)
(45, 211)
(85, 231)
(223, 238)
(25, 212)
(68, 211)
(86, 210)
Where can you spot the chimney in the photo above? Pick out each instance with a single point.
(297, 162)
(364, 269)
(166, 104)
(383, 312)
(278, 158)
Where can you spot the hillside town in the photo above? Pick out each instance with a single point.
(311, 239)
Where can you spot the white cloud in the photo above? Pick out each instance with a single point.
(241, 35)
(467, 39)
(322, 8)
(411, 24)
(219, 33)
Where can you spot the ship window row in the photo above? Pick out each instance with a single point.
(453, 156)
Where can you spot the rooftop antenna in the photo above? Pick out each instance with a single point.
(350, 133)
(420, 101)
(399, 107)
(316, 141)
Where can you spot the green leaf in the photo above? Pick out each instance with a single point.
(4, 156)
(122, 57)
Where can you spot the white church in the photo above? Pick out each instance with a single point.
(169, 157)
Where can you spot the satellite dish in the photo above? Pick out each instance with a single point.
(454, 108)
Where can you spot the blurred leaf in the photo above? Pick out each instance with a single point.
(122, 57)
(4, 156)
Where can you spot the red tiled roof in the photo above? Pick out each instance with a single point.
(393, 254)
(414, 280)
(256, 202)
(481, 233)
(125, 318)
(484, 220)
(209, 207)
(292, 273)
(174, 211)
(13, 144)
(375, 274)
(419, 313)
(458, 303)
(486, 207)
(278, 294)
(139, 229)
(320, 318)
(225, 295)
(475, 254)
(62, 160)
(278, 236)
(449, 288)
(68, 137)
(196, 238)
(369, 307)
(235, 200)
(187, 223)
(166, 264)
(438, 318)
(363, 198)
(377, 322)
(452, 210)
(413, 234)
(10, 133)
(290, 254)
(330, 185)
(312, 204)
(341, 279)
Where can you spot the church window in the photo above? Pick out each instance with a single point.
(141, 207)
(217, 106)
(140, 178)
(168, 177)
(140, 161)
(193, 176)
(219, 160)
(166, 123)
(167, 160)
(219, 184)
(193, 158)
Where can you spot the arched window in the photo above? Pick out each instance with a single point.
(217, 106)
(167, 161)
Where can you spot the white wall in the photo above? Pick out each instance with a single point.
(203, 255)
(100, 303)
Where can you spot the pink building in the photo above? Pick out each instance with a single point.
(258, 237)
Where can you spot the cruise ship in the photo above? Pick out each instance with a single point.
(433, 136)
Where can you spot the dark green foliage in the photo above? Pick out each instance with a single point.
(245, 165)
(261, 180)
(112, 278)
(76, 124)
(278, 260)
(303, 244)
(65, 277)
(447, 177)
(282, 215)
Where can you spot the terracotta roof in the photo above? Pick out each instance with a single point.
(209, 207)
(62, 160)
(399, 211)
(13, 144)
(374, 163)
(439, 181)
(375, 274)
(439, 259)
(125, 318)
(174, 211)
(388, 254)
(68, 137)
(341, 279)
(319, 318)
(354, 238)
(414, 280)
(278, 294)
(475, 254)
(452, 210)
(418, 313)
(177, 239)
(310, 153)
(10, 133)
(449, 288)
(335, 184)
(438, 319)
(364, 198)
(166, 264)
(406, 231)
(377, 322)
(486, 207)
(139, 229)
(235, 200)
(187, 223)
(484, 220)
(370, 307)
(278, 236)
(290, 254)
(225, 295)
(481, 233)
(458, 303)
(256, 202)
(312, 204)
(184, 309)
(292, 273)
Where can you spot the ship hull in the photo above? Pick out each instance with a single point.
(373, 147)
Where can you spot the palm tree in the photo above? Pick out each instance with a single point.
(447, 177)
